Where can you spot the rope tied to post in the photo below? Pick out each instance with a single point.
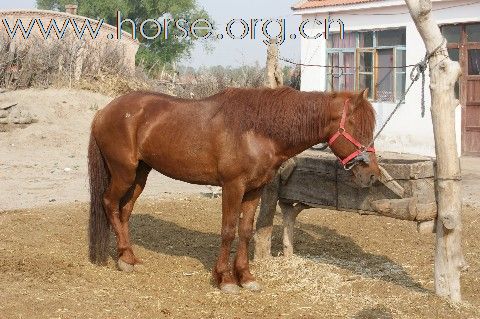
(419, 70)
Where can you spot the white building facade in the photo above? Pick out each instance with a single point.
(380, 36)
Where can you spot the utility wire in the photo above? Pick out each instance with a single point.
(345, 67)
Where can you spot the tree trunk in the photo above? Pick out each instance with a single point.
(274, 73)
(264, 226)
(443, 75)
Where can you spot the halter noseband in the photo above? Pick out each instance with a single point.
(360, 154)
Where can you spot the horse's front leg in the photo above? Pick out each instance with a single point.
(245, 233)
(232, 194)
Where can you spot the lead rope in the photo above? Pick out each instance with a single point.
(417, 71)
(423, 94)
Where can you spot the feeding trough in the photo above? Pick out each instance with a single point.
(316, 179)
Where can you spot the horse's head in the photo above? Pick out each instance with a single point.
(350, 134)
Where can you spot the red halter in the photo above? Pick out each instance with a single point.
(341, 131)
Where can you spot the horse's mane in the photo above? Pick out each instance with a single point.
(285, 114)
(363, 117)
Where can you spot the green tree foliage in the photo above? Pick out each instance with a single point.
(57, 5)
(152, 53)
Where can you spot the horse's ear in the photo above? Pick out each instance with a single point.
(363, 96)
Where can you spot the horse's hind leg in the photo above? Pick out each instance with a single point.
(126, 208)
(122, 178)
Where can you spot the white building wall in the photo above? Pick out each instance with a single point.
(313, 52)
(407, 132)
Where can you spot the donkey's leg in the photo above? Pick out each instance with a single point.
(121, 180)
(126, 209)
(290, 214)
(245, 232)
(232, 194)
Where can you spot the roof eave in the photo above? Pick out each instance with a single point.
(348, 7)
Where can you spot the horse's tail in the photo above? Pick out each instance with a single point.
(99, 231)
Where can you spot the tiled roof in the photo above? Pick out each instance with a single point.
(306, 4)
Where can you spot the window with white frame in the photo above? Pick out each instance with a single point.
(368, 59)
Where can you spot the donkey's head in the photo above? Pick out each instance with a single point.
(350, 134)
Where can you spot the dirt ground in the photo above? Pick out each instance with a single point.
(346, 265)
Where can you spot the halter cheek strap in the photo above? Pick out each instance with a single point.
(341, 132)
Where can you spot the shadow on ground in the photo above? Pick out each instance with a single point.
(325, 244)
(168, 238)
(377, 312)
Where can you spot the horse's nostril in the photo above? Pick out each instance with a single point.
(373, 178)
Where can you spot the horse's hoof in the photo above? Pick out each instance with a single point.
(123, 266)
(252, 285)
(230, 288)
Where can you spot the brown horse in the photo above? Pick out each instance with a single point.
(236, 139)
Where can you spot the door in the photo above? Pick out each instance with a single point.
(464, 46)
(471, 69)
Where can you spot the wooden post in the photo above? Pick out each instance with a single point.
(290, 213)
(443, 75)
(274, 73)
(264, 226)
(268, 207)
